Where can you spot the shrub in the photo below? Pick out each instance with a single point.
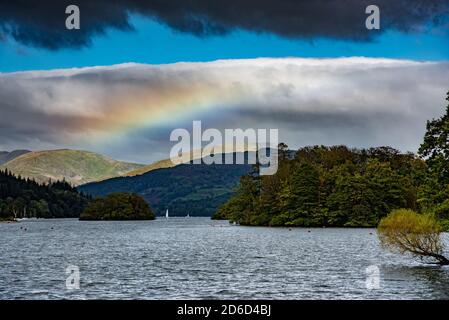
(406, 231)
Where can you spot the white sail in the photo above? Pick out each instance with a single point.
(166, 214)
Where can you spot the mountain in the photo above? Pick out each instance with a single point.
(192, 155)
(6, 156)
(194, 189)
(166, 163)
(74, 166)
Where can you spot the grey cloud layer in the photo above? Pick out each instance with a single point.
(43, 23)
(131, 109)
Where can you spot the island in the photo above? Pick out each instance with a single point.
(118, 206)
(339, 186)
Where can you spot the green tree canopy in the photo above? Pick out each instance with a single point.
(328, 186)
(409, 232)
(435, 148)
(25, 198)
(118, 206)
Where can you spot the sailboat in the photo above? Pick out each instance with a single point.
(166, 214)
(188, 215)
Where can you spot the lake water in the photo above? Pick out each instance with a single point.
(196, 258)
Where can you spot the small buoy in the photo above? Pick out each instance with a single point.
(289, 229)
(370, 233)
(309, 231)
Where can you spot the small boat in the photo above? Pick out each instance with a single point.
(188, 216)
(166, 214)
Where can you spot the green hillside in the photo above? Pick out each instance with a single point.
(74, 166)
(162, 164)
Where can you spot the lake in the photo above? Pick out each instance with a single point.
(196, 258)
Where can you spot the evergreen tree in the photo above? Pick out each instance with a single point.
(21, 198)
(330, 186)
(435, 148)
(304, 195)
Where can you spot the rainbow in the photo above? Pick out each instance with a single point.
(144, 110)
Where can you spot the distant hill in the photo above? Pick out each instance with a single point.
(6, 156)
(197, 154)
(161, 164)
(166, 163)
(74, 166)
(196, 190)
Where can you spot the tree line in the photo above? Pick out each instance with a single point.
(342, 187)
(118, 206)
(25, 198)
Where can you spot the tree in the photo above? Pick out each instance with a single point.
(249, 196)
(435, 148)
(21, 197)
(331, 186)
(406, 231)
(303, 201)
(118, 206)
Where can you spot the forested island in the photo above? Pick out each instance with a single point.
(25, 198)
(341, 187)
(118, 206)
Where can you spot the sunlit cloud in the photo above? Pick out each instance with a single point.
(129, 110)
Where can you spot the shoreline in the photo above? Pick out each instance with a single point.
(8, 221)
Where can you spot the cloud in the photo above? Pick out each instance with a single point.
(129, 110)
(43, 25)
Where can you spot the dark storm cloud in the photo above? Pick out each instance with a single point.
(42, 23)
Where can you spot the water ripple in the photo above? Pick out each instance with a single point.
(201, 259)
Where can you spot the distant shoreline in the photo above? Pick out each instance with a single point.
(8, 221)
